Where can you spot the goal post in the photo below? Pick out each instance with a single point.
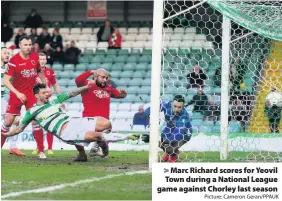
(156, 78)
(226, 31)
(233, 49)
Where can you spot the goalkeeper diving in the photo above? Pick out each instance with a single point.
(76, 131)
(177, 129)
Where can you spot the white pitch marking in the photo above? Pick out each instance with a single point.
(52, 188)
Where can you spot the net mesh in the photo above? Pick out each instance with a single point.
(191, 67)
(263, 17)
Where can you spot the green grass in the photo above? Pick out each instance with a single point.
(28, 173)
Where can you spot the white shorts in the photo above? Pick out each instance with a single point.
(76, 129)
(4, 104)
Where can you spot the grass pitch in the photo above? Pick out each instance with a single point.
(29, 173)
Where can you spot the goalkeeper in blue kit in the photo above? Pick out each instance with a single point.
(177, 128)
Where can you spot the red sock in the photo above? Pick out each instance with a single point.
(39, 138)
(4, 129)
(50, 138)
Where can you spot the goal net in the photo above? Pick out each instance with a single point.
(223, 57)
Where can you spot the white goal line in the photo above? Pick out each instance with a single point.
(57, 187)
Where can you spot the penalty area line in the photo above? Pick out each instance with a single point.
(52, 188)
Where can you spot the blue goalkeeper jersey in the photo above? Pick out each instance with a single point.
(176, 127)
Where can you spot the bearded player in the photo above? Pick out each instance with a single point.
(4, 60)
(23, 69)
(76, 131)
(51, 81)
(177, 129)
(96, 100)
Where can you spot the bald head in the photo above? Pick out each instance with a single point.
(102, 71)
(102, 77)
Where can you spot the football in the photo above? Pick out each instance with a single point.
(274, 98)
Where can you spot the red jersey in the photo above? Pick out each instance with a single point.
(50, 76)
(96, 100)
(23, 72)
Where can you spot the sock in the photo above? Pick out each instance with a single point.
(50, 139)
(13, 143)
(38, 136)
(4, 129)
(80, 150)
(114, 137)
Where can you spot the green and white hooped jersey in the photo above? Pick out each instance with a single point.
(3, 87)
(49, 116)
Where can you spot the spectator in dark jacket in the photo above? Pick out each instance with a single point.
(57, 39)
(33, 35)
(237, 72)
(140, 118)
(58, 55)
(197, 77)
(240, 112)
(212, 111)
(17, 38)
(72, 53)
(6, 33)
(105, 32)
(44, 38)
(200, 101)
(33, 20)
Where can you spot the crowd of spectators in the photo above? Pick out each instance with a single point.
(241, 101)
(58, 52)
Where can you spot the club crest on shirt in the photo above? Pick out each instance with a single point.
(33, 62)
(101, 94)
(48, 73)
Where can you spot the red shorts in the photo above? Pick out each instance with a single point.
(14, 104)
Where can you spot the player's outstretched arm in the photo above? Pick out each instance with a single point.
(15, 131)
(80, 90)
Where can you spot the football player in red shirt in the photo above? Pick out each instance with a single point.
(96, 100)
(51, 81)
(23, 69)
(5, 55)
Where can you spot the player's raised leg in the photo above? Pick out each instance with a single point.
(91, 130)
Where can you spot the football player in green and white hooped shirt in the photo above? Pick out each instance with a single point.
(4, 59)
(76, 131)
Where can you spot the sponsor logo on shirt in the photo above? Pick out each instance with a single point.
(101, 94)
(28, 73)
(22, 64)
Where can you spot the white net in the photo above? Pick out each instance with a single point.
(191, 67)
